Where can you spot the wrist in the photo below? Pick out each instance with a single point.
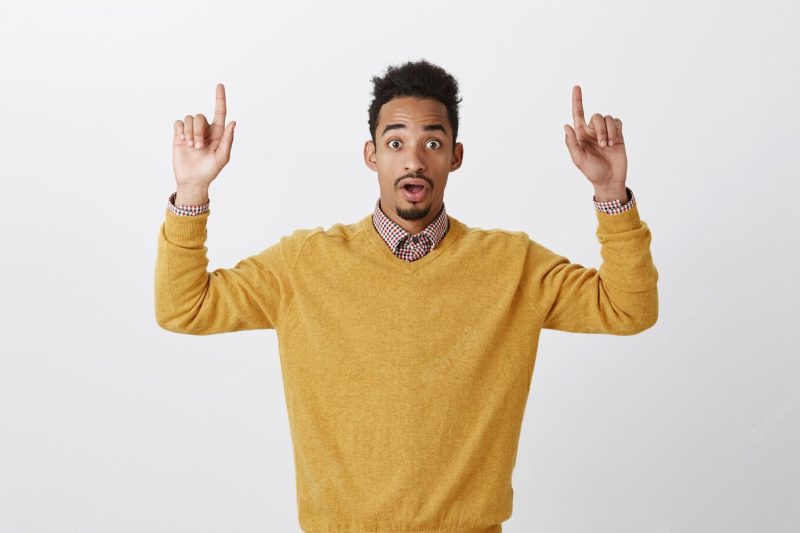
(191, 195)
(611, 193)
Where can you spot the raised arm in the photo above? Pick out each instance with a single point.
(188, 298)
(621, 298)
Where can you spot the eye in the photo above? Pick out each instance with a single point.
(438, 144)
(393, 141)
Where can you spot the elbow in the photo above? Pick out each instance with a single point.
(178, 326)
(639, 314)
(166, 326)
(172, 322)
(183, 324)
(646, 323)
(635, 326)
(170, 325)
(645, 318)
(170, 319)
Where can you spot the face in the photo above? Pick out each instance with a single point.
(413, 154)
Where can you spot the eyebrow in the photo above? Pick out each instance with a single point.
(429, 127)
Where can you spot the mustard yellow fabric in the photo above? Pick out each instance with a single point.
(406, 382)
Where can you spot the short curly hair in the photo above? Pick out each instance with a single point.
(415, 78)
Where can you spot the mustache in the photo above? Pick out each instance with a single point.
(416, 176)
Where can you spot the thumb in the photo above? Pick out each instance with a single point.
(224, 150)
(575, 150)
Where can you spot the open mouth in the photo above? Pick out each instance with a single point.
(414, 192)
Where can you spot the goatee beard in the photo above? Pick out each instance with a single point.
(413, 213)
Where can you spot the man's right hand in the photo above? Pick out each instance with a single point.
(199, 152)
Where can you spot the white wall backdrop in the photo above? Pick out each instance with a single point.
(109, 423)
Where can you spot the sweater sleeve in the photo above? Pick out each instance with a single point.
(189, 299)
(621, 298)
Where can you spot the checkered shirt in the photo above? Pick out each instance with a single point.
(402, 243)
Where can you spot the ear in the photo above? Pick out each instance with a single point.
(458, 157)
(369, 155)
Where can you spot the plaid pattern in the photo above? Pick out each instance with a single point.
(186, 210)
(615, 207)
(402, 243)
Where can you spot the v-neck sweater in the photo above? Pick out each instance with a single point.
(406, 382)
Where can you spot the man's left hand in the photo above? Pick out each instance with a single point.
(598, 150)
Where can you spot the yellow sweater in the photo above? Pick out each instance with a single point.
(406, 382)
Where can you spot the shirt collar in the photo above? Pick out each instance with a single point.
(394, 234)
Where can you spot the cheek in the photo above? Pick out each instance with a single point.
(385, 158)
(386, 165)
(385, 178)
(447, 157)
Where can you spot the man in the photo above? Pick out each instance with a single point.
(407, 339)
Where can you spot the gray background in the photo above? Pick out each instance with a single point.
(109, 423)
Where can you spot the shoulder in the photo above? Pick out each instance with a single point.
(335, 232)
(491, 236)
(303, 241)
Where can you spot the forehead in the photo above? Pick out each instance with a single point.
(413, 111)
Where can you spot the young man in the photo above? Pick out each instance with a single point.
(407, 338)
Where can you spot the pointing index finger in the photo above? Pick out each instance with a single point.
(577, 108)
(221, 108)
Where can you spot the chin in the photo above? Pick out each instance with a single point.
(414, 210)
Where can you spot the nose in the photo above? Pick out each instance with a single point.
(414, 162)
